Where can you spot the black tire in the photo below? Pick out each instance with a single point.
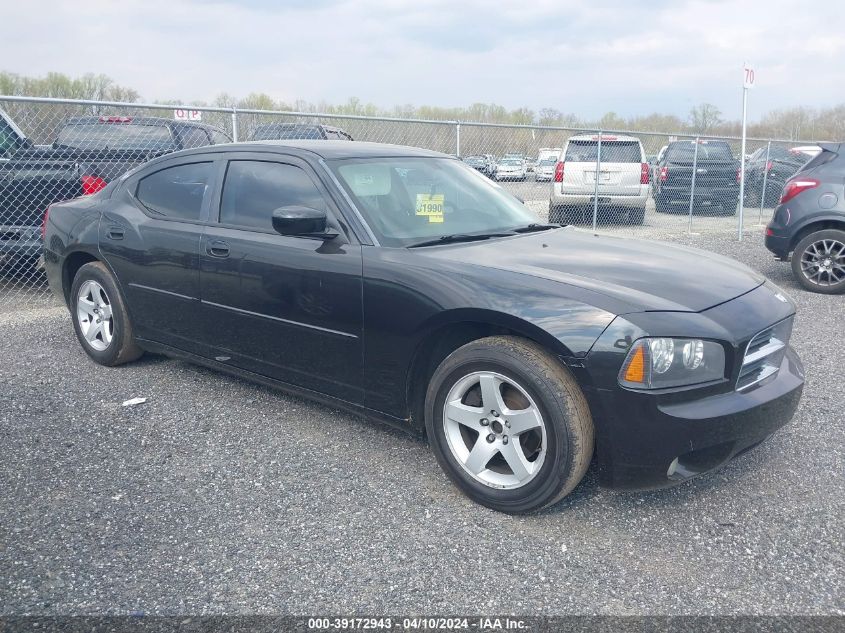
(636, 216)
(661, 205)
(122, 347)
(569, 433)
(833, 235)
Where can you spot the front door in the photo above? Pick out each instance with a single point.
(285, 307)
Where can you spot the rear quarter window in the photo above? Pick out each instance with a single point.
(611, 152)
(176, 193)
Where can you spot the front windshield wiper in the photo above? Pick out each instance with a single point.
(534, 226)
(458, 237)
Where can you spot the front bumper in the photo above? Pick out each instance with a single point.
(649, 432)
(640, 434)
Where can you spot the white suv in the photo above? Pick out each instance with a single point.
(623, 180)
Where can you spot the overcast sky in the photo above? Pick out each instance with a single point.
(581, 56)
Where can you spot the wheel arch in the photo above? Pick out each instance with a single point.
(453, 329)
(73, 261)
(814, 225)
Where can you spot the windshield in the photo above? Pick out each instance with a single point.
(116, 136)
(406, 200)
(685, 151)
(510, 161)
(548, 162)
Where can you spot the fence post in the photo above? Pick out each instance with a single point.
(235, 125)
(458, 139)
(596, 188)
(692, 184)
(765, 178)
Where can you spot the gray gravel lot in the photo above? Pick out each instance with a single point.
(219, 496)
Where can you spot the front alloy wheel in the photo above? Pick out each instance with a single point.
(494, 430)
(509, 424)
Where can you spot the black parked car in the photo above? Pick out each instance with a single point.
(294, 131)
(781, 165)
(88, 153)
(809, 222)
(716, 178)
(394, 282)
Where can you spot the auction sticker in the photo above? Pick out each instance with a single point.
(430, 205)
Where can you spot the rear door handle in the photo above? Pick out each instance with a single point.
(217, 248)
(115, 233)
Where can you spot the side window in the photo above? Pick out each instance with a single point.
(176, 192)
(254, 189)
(191, 136)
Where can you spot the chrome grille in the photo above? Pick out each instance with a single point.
(764, 355)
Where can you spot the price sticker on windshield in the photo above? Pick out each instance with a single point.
(430, 205)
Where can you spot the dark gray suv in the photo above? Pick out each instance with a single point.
(809, 222)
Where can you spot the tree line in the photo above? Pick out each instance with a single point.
(796, 123)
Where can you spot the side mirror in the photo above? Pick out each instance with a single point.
(302, 221)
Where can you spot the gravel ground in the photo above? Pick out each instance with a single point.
(218, 496)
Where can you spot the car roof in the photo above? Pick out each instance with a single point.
(328, 149)
(604, 137)
(296, 126)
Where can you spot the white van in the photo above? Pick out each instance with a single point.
(623, 180)
(547, 153)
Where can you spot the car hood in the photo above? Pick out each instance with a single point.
(638, 275)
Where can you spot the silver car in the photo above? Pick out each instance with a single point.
(511, 169)
(545, 169)
(623, 179)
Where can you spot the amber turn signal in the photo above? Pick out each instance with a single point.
(635, 371)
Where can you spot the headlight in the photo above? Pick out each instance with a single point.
(657, 363)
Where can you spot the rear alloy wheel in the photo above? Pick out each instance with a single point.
(94, 315)
(99, 317)
(818, 262)
(509, 424)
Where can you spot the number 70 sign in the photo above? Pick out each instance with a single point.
(748, 76)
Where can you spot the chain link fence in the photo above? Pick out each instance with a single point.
(651, 185)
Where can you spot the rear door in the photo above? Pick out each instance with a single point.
(285, 307)
(619, 172)
(150, 237)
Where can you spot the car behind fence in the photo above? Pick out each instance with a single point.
(645, 184)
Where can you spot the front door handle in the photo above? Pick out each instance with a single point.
(115, 233)
(217, 248)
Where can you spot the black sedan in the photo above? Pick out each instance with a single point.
(770, 168)
(401, 284)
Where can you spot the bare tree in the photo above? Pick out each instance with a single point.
(705, 118)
